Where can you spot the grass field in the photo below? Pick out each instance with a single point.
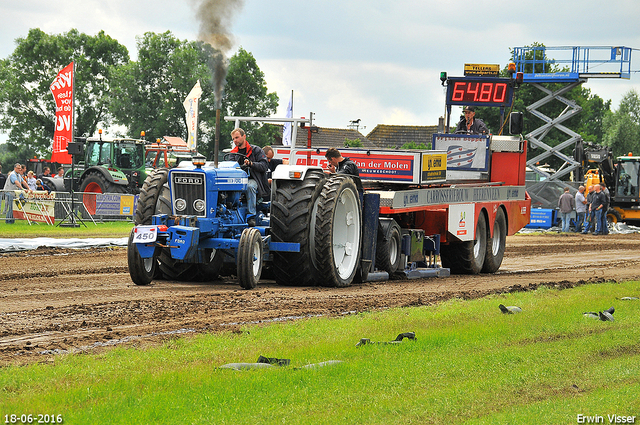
(469, 364)
(22, 229)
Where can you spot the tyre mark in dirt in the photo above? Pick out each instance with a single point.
(84, 300)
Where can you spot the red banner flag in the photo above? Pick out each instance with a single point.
(62, 89)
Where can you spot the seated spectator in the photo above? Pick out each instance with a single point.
(40, 185)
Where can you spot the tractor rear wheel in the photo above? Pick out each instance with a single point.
(496, 244)
(96, 182)
(249, 258)
(293, 207)
(338, 234)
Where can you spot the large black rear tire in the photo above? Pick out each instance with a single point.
(467, 257)
(151, 189)
(96, 182)
(496, 244)
(338, 235)
(293, 207)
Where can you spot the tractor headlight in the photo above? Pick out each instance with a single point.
(180, 204)
(198, 205)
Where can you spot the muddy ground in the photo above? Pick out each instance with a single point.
(56, 301)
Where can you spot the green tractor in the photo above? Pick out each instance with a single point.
(109, 166)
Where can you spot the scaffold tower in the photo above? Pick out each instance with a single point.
(570, 67)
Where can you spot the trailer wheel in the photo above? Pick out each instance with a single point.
(249, 258)
(495, 244)
(467, 257)
(141, 270)
(293, 207)
(338, 232)
(613, 216)
(389, 248)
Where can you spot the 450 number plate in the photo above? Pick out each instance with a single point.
(145, 234)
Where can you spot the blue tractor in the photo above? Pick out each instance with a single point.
(192, 225)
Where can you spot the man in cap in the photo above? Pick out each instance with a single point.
(470, 124)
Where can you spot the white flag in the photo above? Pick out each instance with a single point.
(191, 106)
(286, 132)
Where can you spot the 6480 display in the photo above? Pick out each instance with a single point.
(479, 91)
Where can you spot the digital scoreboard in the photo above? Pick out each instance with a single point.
(479, 91)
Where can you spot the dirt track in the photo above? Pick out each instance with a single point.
(58, 300)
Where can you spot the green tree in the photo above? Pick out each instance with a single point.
(246, 95)
(623, 126)
(148, 94)
(353, 143)
(27, 108)
(414, 145)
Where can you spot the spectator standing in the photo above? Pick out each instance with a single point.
(581, 208)
(31, 180)
(597, 206)
(605, 208)
(14, 182)
(46, 172)
(588, 220)
(273, 162)
(3, 180)
(60, 174)
(566, 203)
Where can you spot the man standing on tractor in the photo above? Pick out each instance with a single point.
(338, 164)
(253, 160)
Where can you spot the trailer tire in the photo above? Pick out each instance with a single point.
(293, 207)
(467, 257)
(496, 244)
(338, 232)
(141, 270)
(389, 248)
(250, 258)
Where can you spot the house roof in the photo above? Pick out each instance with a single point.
(395, 136)
(331, 137)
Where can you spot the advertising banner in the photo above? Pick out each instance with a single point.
(37, 206)
(62, 90)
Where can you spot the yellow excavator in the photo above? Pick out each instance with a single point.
(622, 178)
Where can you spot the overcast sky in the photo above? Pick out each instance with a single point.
(378, 61)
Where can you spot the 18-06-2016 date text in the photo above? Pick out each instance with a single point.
(33, 419)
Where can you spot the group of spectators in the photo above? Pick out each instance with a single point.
(591, 211)
(20, 179)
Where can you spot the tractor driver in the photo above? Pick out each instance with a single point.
(254, 161)
(470, 124)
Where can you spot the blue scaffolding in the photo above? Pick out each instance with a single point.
(570, 67)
